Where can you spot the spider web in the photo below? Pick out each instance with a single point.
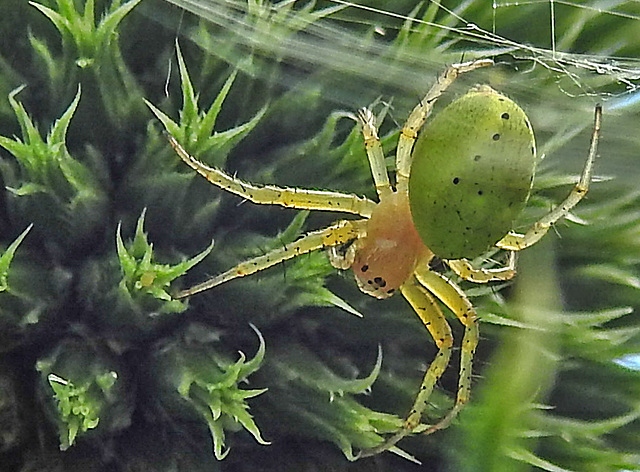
(556, 55)
(574, 41)
(558, 58)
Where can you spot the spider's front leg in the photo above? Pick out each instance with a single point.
(418, 292)
(301, 199)
(516, 241)
(420, 114)
(334, 235)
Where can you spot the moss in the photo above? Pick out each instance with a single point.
(97, 358)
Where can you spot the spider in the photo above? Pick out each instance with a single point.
(460, 184)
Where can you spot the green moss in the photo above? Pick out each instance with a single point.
(97, 359)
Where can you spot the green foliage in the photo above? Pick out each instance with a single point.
(196, 128)
(85, 390)
(341, 420)
(79, 29)
(31, 294)
(7, 257)
(208, 384)
(98, 360)
(142, 277)
(50, 186)
(78, 411)
(90, 46)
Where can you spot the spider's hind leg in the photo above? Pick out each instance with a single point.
(516, 241)
(420, 114)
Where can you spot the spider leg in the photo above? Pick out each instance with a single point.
(516, 242)
(302, 199)
(338, 233)
(374, 152)
(420, 114)
(455, 299)
(466, 271)
(429, 312)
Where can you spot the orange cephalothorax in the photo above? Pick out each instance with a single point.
(389, 253)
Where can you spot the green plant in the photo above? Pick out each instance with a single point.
(96, 357)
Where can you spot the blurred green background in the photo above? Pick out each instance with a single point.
(100, 370)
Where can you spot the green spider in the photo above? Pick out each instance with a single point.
(460, 185)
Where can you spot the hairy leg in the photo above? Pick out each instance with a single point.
(516, 241)
(455, 299)
(420, 114)
(302, 199)
(429, 312)
(338, 233)
(464, 270)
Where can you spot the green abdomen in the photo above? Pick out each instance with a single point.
(473, 165)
